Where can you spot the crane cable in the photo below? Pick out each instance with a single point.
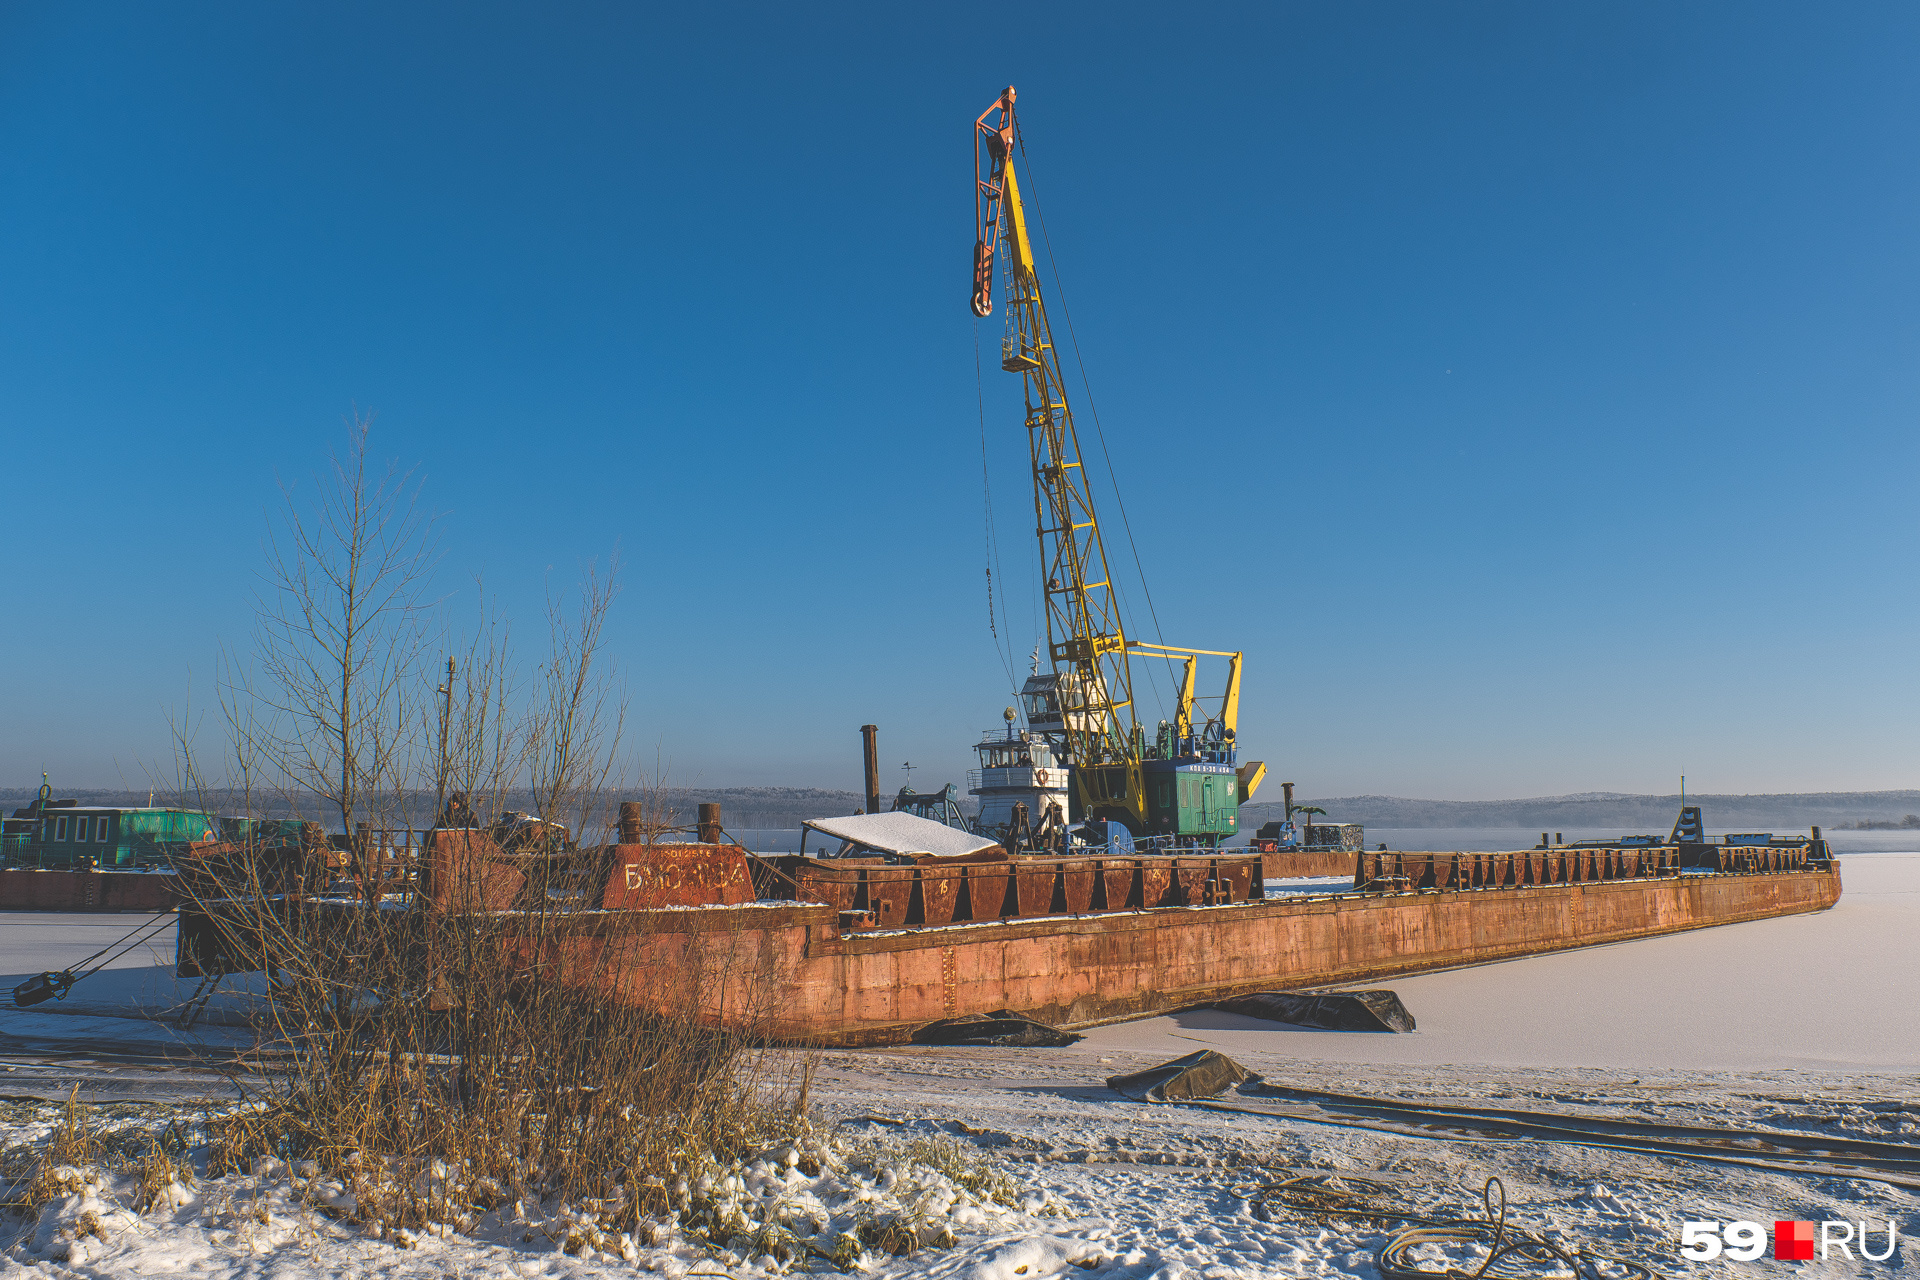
(993, 543)
(1099, 432)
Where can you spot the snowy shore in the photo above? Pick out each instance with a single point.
(1803, 1025)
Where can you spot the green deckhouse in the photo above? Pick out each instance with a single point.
(65, 834)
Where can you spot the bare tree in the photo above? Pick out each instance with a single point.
(340, 634)
(575, 728)
(483, 726)
(457, 1046)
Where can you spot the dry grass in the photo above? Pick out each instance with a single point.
(158, 1169)
(966, 1168)
(444, 1062)
(74, 1141)
(72, 1147)
(87, 1143)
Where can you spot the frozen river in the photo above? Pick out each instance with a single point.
(1830, 991)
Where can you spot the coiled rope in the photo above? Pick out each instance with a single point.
(1512, 1254)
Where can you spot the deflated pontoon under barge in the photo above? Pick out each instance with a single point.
(864, 950)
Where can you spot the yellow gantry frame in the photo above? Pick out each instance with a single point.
(1229, 703)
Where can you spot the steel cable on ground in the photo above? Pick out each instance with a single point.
(1099, 432)
(1897, 1164)
(1512, 1254)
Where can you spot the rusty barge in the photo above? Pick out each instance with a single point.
(831, 972)
(866, 950)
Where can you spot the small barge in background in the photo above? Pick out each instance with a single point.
(62, 855)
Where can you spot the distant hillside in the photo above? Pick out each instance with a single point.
(742, 807)
(1610, 809)
(747, 807)
(763, 806)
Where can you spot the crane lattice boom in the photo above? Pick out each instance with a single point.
(1087, 643)
(1086, 637)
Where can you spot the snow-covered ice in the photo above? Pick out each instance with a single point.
(1829, 991)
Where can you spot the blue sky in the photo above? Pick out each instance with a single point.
(1528, 390)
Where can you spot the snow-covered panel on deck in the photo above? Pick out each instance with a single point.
(903, 833)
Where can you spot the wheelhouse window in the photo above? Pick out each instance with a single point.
(1042, 706)
(59, 828)
(100, 829)
(82, 829)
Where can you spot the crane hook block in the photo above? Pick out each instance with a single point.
(982, 279)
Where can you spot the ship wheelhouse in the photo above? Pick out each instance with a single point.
(1017, 766)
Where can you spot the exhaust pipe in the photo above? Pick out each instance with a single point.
(870, 733)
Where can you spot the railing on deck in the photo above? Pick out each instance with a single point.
(1387, 871)
(382, 862)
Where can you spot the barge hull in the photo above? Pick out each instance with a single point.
(789, 973)
(27, 889)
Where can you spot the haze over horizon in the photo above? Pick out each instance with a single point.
(1528, 391)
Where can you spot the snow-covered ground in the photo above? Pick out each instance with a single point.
(1803, 1025)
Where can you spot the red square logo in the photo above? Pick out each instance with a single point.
(1793, 1241)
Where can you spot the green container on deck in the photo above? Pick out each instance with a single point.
(1192, 799)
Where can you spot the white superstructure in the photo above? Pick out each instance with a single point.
(1017, 766)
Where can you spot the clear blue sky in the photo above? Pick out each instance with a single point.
(1528, 389)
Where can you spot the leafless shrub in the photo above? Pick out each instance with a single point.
(447, 1031)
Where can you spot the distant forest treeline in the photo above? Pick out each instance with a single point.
(1654, 814)
(740, 807)
(1911, 822)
